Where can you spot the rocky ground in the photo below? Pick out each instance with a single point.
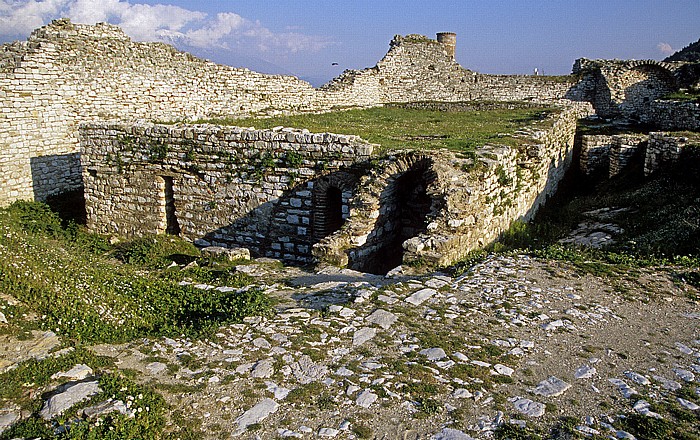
(515, 341)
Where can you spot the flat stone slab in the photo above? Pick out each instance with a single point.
(156, 367)
(434, 354)
(668, 384)
(363, 335)
(421, 296)
(585, 372)
(550, 387)
(67, 398)
(503, 370)
(528, 407)
(382, 318)
(366, 398)
(7, 420)
(263, 369)
(255, 415)
(625, 389)
(637, 378)
(451, 434)
(78, 372)
(306, 371)
(106, 407)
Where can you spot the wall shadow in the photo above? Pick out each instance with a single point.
(55, 174)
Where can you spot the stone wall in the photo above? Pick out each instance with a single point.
(66, 74)
(665, 149)
(633, 89)
(465, 203)
(609, 155)
(595, 154)
(673, 115)
(265, 190)
(625, 150)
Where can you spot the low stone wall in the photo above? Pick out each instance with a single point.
(225, 186)
(665, 149)
(466, 203)
(673, 115)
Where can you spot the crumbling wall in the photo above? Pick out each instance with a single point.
(473, 200)
(227, 186)
(665, 149)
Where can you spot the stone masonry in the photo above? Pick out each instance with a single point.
(67, 73)
(223, 186)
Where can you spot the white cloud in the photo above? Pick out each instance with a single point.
(158, 22)
(665, 48)
(19, 17)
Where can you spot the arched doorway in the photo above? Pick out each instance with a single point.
(331, 203)
(404, 208)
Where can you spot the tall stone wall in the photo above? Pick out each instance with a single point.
(66, 74)
(217, 185)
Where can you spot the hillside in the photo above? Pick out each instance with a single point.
(690, 53)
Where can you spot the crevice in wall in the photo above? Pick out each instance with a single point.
(172, 226)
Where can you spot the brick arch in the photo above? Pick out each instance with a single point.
(331, 194)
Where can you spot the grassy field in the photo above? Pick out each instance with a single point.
(396, 127)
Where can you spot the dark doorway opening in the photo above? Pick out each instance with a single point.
(407, 205)
(334, 210)
(172, 226)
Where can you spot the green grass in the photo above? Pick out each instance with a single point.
(91, 297)
(684, 96)
(395, 127)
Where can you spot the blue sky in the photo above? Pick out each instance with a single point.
(305, 37)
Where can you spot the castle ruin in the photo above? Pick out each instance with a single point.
(76, 99)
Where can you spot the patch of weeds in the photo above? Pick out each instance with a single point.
(362, 431)
(428, 406)
(305, 393)
(154, 251)
(325, 402)
(509, 431)
(464, 265)
(147, 421)
(646, 427)
(37, 373)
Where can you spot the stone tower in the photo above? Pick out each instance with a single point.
(449, 40)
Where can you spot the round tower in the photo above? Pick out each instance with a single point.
(449, 40)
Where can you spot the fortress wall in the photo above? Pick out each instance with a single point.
(418, 69)
(66, 74)
(215, 185)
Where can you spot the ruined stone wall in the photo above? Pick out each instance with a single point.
(595, 154)
(66, 74)
(673, 115)
(632, 89)
(609, 155)
(215, 185)
(665, 149)
(472, 201)
(420, 69)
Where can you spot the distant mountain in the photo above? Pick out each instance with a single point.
(689, 53)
